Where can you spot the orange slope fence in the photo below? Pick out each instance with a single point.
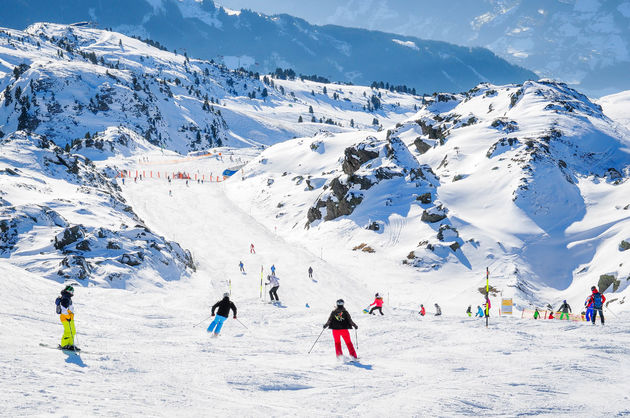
(544, 314)
(165, 175)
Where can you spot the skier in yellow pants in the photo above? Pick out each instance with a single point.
(66, 316)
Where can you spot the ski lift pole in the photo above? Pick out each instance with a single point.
(487, 294)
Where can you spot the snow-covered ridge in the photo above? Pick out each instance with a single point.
(530, 179)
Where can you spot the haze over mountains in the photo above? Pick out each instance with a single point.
(263, 43)
(583, 42)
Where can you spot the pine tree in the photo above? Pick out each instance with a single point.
(310, 109)
(300, 120)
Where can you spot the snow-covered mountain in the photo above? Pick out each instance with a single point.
(64, 82)
(531, 180)
(583, 42)
(261, 43)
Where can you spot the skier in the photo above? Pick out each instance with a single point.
(275, 284)
(589, 308)
(479, 313)
(340, 322)
(565, 308)
(597, 300)
(536, 314)
(378, 304)
(224, 306)
(170, 193)
(423, 311)
(469, 311)
(65, 309)
(310, 272)
(251, 249)
(438, 310)
(550, 315)
(241, 266)
(273, 270)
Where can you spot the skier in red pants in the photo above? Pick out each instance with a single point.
(340, 322)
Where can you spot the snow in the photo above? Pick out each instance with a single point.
(408, 44)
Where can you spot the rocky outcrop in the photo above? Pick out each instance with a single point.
(355, 157)
(434, 214)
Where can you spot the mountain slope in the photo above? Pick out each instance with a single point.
(262, 43)
(531, 180)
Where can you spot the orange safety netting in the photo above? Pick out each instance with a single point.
(544, 314)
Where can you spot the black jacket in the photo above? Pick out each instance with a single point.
(66, 299)
(565, 307)
(340, 319)
(224, 306)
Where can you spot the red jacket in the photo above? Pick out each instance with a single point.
(378, 302)
(422, 311)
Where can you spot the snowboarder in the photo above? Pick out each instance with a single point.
(423, 311)
(565, 309)
(251, 249)
(479, 313)
(65, 309)
(469, 311)
(340, 322)
(378, 304)
(597, 300)
(275, 284)
(273, 270)
(310, 272)
(589, 309)
(241, 266)
(536, 314)
(438, 310)
(224, 306)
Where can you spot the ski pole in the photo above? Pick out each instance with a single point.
(608, 310)
(239, 321)
(204, 320)
(320, 334)
(356, 337)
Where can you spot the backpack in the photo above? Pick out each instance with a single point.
(597, 300)
(58, 305)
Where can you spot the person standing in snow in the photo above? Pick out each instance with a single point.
(310, 272)
(438, 310)
(241, 266)
(423, 311)
(536, 314)
(273, 270)
(65, 309)
(378, 304)
(251, 249)
(340, 322)
(565, 308)
(550, 315)
(223, 306)
(469, 311)
(589, 308)
(479, 313)
(597, 299)
(273, 281)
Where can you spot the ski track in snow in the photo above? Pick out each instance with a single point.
(143, 355)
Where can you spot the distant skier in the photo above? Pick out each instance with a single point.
(340, 322)
(273, 270)
(597, 300)
(378, 304)
(536, 314)
(565, 309)
(241, 266)
(224, 306)
(438, 310)
(310, 272)
(469, 311)
(550, 315)
(273, 281)
(65, 309)
(479, 313)
(589, 309)
(170, 193)
(251, 249)
(423, 311)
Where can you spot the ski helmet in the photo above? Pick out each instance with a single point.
(340, 302)
(376, 295)
(226, 295)
(69, 289)
(593, 288)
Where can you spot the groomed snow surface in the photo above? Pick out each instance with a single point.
(142, 354)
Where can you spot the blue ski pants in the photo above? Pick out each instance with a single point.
(218, 323)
